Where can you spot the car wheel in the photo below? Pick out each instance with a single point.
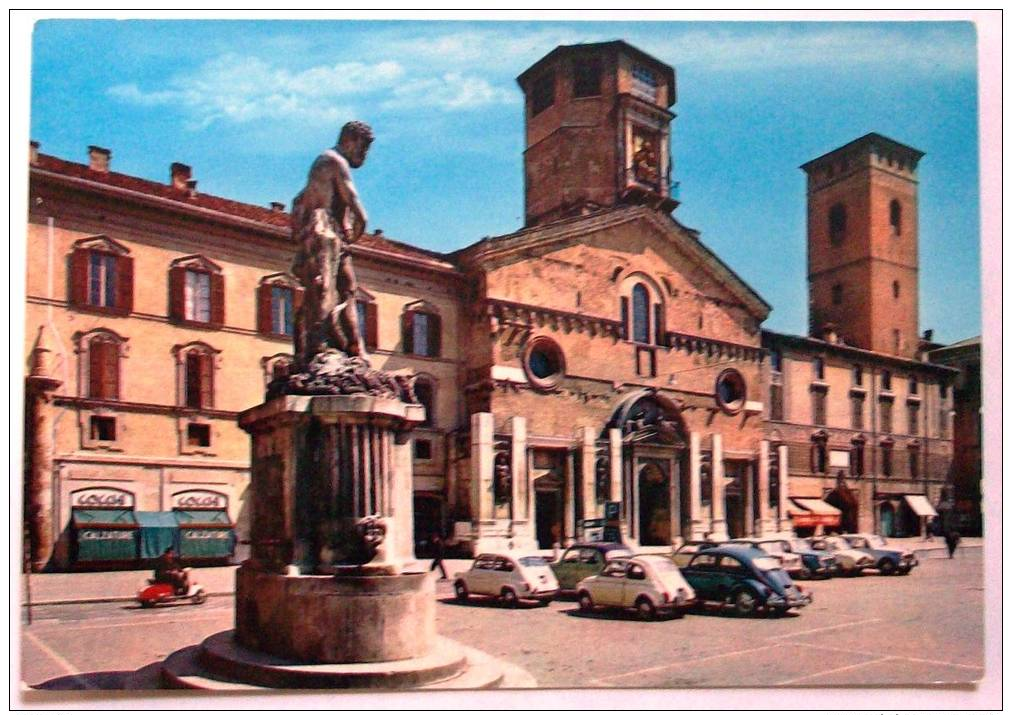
(586, 602)
(199, 597)
(903, 571)
(147, 604)
(745, 603)
(509, 598)
(460, 591)
(886, 567)
(645, 610)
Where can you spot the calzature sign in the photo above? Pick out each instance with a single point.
(199, 499)
(102, 498)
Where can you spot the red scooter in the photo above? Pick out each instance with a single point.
(160, 592)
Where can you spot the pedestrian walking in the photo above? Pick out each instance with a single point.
(438, 547)
(952, 541)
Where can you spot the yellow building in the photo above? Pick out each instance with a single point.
(166, 312)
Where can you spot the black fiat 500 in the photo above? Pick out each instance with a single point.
(746, 578)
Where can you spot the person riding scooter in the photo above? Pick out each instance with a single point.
(168, 570)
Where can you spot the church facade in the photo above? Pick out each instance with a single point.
(601, 363)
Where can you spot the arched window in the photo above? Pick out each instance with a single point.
(278, 297)
(276, 366)
(421, 330)
(896, 217)
(896, 289)
(641, 313)
(195, 368)
(837, 223)
(100, 352)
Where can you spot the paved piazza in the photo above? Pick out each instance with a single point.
(923, 628)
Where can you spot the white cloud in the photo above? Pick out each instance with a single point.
(451, 91)
(240, 89)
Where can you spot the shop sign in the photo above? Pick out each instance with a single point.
(199, 499)
(198, 534)
(105, 535)
(102, 498)
(839, 458)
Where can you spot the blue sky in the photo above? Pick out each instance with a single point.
(248, 104)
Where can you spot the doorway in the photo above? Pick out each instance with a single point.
(735, 498)
(655, 505)
(887, 519)
(548, 517)
(844, 500)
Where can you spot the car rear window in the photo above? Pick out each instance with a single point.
(532, 561)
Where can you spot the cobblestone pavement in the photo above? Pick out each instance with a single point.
(919, 629)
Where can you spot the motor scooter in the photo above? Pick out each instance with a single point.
(159, 592)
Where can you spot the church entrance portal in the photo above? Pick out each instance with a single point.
(655, 505)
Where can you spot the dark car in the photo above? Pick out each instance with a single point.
(888, 561)
(814, 563)
(746, 578)
(684, 553)
(582, 560)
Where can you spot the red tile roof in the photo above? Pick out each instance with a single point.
(251, 212)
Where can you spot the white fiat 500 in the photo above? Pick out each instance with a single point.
(510, 578)
(648, 583)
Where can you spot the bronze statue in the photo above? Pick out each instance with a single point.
(327, 216)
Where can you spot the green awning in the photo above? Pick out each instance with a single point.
(84, 517)
(104, 534)
(204, 543)
(159, 530)
(202, 516)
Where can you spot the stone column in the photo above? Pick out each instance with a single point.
(695, 505)
(569, 508)
(783, 516)
(588, 460)
(615, 466)
(766, 526)
(748, 489)
(482, 460)
(402, 510)
(39, 414)
(518, 469)
(718, 505)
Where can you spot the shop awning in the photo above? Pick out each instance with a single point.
(159, 530)
(920, 505)
(104, 534)
(205, 533)
(813, 512)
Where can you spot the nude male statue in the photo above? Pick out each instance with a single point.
(327, 216)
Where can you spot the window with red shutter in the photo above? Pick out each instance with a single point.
(435, 335)
(217, 299)
(624, 305)
(124, 285)
(79, 276)
(206, 381)
(103, 370)
(659, 326)
(177, 293)
(264, 309)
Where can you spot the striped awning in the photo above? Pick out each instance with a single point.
(920, 505)
(813, 512)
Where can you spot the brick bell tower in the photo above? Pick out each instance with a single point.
(597, 129)
(862, 245)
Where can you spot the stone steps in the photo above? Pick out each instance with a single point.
(221, 664)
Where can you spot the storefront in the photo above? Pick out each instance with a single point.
(813, 516)
(103, 527)
(106, 530)
(206, 533)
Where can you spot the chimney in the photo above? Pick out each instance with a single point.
(277, 207)
(378, 232)
(829, 333)
(191, 187)
(98, 159)
(33, 152)
(928, 335)
(181, 174)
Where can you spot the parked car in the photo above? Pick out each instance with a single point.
(509, 578)
(582, 560)
(851, 561)
(814, 563)
(745, 577)
(684, 553)
(887, 560)
(790, 562)
(649, 583)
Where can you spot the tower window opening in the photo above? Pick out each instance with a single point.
(896, 289)
(543, 94)
(837, 294)
(837, 224)
(587, 77)
(895, 217)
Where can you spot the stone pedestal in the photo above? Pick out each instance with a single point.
(331, 484)
(335, 619)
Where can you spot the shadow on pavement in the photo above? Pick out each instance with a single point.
(491, 602)
(617, 614)
(98, 680)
